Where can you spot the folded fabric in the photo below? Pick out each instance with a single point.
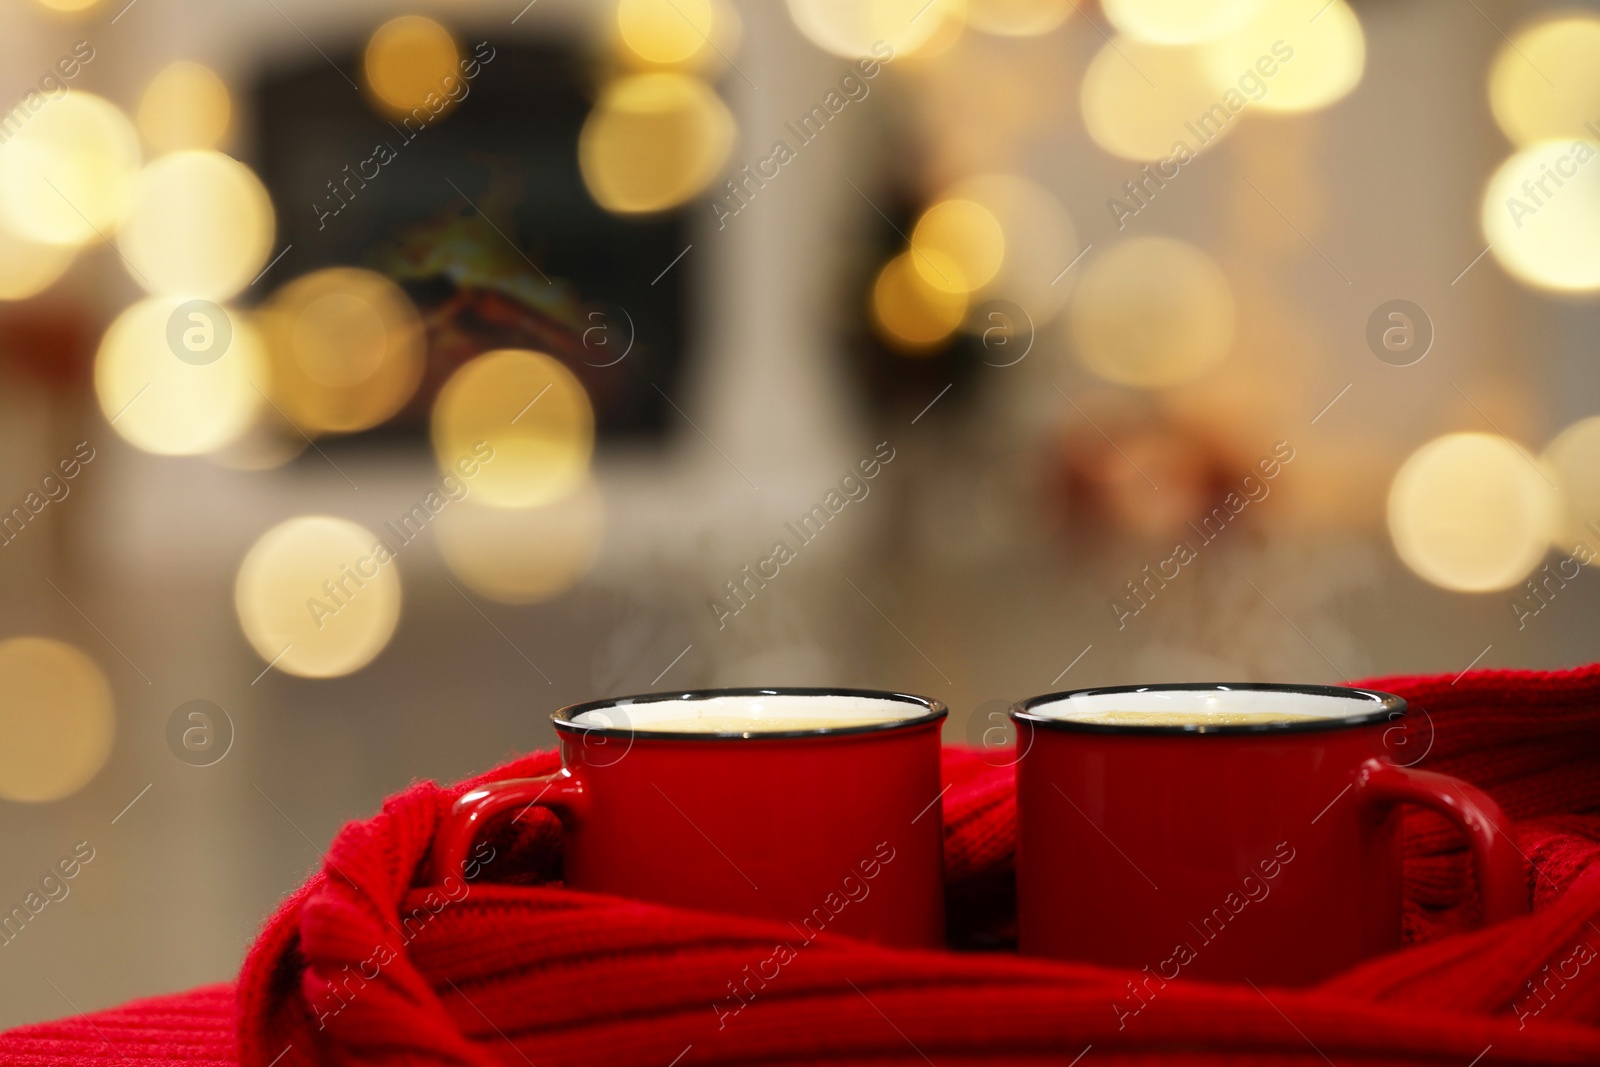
(367, 964)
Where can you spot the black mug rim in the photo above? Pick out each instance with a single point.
(1388, 708)
(933, 711)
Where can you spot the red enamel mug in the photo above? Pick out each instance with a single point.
(1229, 832)
(810, 806)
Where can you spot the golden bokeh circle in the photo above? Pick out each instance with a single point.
(653, 141)
(410, 60)
(68, 5)
(66, 175)
(27, 267)
(909, 314)
(347, 349)
(665, 31)
(1180, 21)
(200, 223)
(318, 596)
(1573, 462)
(1152, 312)
(165, 405)
(851, 28)
(1544, 82)
(958, 246)
(524, 555)
(534, 415)
(56, 716)
(1471, 512)
(185, 106)
(1017, 18)
(1039, 241)
(1328, 46)
(1141, 101)
(1541, 215)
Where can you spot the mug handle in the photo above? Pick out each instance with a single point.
(561, 792)
(1502, 871)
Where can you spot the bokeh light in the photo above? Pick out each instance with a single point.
(531, 411)
(1529, 68)
(523, 555)
(347, 349)
(318, 596)
(1329, 54)
(66, 174)
(1541, 215)
(1017, 18)
(1471, 512)
(850, 28)
(1573, 463)
(1179, 21)
(56, 717)
(957, 246)
(68, 5)
(1139, 100)
(28, 267)
(665, 31)
(909, 314)
(412, 62)
(653, 141)
(1039, 242)
(185, 106)
(1152, 312)
(200, 223)
(168, 405)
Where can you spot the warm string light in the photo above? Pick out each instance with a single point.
(1541, 215)
(1329, 53)
(1472, 512)
(66, 175)
(1037, 238)
(910, 315)
(1539, 212)
(1573, 462)
(318, 596)
(530, 412)
(411, 62)
(1544, 83)
(200, 224)
(1181, 76)
(666, 31)
(57, 717)
(185, 106)
(653, 142)
(347, 350)
(1140, 100)
(957, 246)
(168, 405)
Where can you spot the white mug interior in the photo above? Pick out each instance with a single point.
(1163, 703)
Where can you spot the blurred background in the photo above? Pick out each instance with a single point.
(377, 377)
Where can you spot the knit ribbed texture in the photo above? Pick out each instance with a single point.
(365, 965)
(195, 1028)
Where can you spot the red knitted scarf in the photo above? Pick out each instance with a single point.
(363, 965)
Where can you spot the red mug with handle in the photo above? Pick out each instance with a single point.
(818, 807)
(1229, 832)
